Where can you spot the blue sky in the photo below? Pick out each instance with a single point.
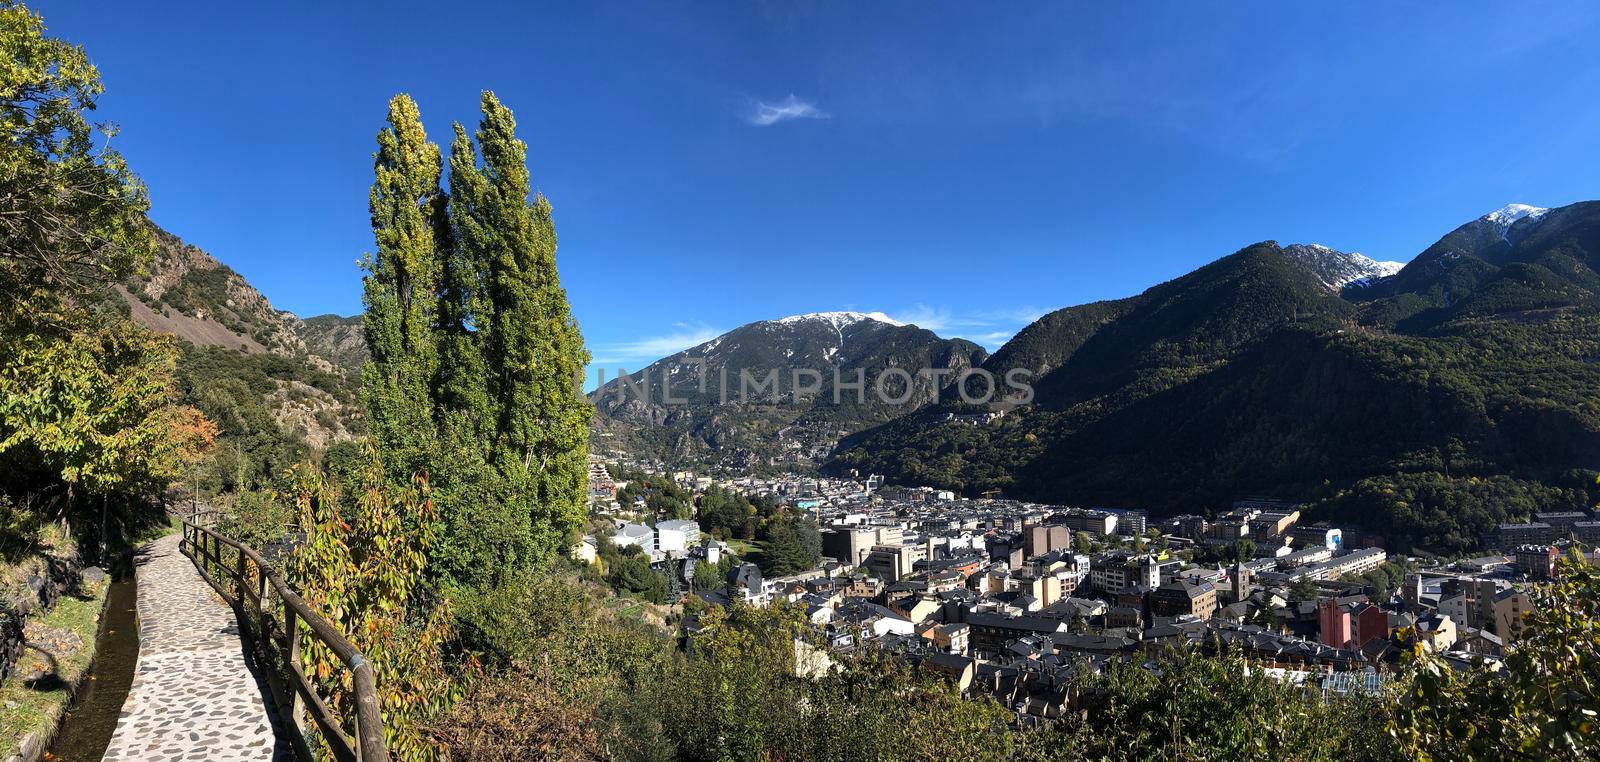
(711, 164)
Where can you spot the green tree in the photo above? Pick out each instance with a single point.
(1244, 549)
(630, 572)
(793, 545)
(71, 212)
(97, 411)
(533, 351)
(1544, 701)
(1196, 706)
(723, 512)
(475, 355)
(401, 292)
(1082, 542)
(1304, 589)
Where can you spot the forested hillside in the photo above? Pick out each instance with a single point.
(1462, 391)
(722, 423)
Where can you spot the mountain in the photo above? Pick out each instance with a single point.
(339, 339)
(1425, 406)
(1339, 270)
(728, 418)
(277, 386)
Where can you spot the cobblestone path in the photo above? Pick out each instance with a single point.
(194, 696)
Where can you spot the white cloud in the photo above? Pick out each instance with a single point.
(765, 114)
(931, 318)
(989, 328)
(648, 349)
(994, 339)
(1002, 323)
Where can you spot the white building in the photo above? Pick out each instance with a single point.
(637, 535)
(676, 535)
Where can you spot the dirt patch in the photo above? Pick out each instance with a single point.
(198, 331)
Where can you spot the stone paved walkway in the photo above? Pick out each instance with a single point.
(194, 696)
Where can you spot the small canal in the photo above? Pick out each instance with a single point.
(86, 729)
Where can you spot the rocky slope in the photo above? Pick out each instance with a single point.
(231, 329)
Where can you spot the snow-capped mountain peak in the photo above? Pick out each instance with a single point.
(1507, 215)
(1339, 270)
(838, 319)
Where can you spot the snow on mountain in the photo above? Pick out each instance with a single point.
(1507, 215)
(1339, 270)
(838, 319)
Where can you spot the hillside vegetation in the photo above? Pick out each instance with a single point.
(1461, 392)
(723, 421)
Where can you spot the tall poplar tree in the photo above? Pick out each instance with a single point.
(532, 348)
(475, 354)
(487, 529)
(463, 299)
(409, 226)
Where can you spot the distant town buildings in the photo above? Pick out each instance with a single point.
(1008, 598)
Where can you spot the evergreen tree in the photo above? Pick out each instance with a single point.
(400, 291)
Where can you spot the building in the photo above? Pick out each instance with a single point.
(1038, 539)
(890, 562)
(1587, 532)
(1411, 590)
(1228, 529)
(1005, 549)
(677, 535)
(1131, 522)
(1347, 565)
(1098, 523)
(992, 632)
(1124, 616)
(1261, 504)
(1239, 582)
(1187, 525)
(1537, 561)
(1120, 575)
(1271, 526)
(1319, 534)
(1561, 521)
(952, 638)
(1311, 554)
(1510, 607)
(1371, 623)
(1485, 604)
(586, 551)
(637, 535)
(851, 545)
(1334, 624)
(601, 487)
(745, 583)
(1180, 597)
(1532, 533)
(1045, 588)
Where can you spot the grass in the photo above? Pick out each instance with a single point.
(34, 706)
(744, 547)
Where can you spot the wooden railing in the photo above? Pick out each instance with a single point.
(272, 617)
